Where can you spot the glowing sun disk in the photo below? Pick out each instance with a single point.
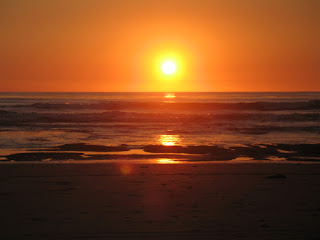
(168, 67)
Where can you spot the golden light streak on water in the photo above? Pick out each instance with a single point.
(170, 95)
(169, 140)
(165, 161)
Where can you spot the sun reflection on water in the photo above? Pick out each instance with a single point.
(166, 161)
(169, 97)
(169, 140)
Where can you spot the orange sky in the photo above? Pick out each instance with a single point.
(96, 45)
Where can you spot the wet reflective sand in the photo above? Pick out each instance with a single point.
(159, 201)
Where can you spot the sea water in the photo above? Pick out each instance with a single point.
(41, 120)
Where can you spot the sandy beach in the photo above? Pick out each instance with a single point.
(160, 201)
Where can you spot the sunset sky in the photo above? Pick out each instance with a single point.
(119, 45)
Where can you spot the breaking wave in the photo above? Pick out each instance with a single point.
(179, 106)
(156, 117)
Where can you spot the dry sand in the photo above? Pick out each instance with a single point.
(160, 201)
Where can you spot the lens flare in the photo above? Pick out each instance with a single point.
(126, 169)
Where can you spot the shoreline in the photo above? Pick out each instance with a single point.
(161, 161)
(192, 153)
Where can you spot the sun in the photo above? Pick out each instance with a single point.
(168, 67)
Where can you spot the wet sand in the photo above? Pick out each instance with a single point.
(160, 201)
(88, 152)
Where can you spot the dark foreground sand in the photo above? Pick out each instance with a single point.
(159, 201)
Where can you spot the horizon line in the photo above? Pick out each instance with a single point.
(164, 92)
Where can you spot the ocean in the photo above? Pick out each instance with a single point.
(143, 125)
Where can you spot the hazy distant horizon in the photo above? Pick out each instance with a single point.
(169, 92)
